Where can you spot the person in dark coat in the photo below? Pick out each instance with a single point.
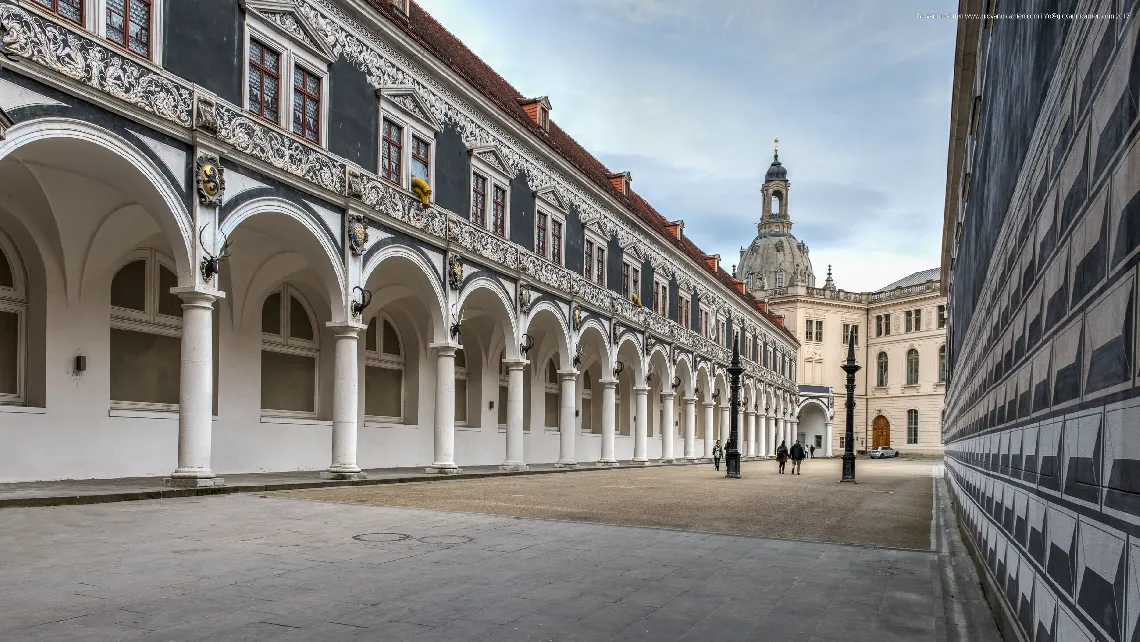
(797, 457)
(811, 452)
(782, 455)
(718, 452)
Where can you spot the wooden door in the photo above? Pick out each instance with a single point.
(880, 432)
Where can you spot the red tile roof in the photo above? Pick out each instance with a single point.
(445, 46)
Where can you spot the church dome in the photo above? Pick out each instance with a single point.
(776, 171)
(775, 259)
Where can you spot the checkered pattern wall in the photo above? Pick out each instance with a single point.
(1043, 410)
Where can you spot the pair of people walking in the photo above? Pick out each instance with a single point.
(796, 453)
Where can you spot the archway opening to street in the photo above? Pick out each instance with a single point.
(813, 428)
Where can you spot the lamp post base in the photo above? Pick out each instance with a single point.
(732, 464)
(848, 468)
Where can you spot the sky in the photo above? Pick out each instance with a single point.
(689, 95)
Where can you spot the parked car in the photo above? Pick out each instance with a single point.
(882, 452)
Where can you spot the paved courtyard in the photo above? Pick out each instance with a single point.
(890, 506)
(249, 567)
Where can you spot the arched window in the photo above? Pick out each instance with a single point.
(912, 426)
(779, 246)
(146, 334)
(912, 367)
(383, 371)
(779, 278)
(587, 404)
(13, 317)
(550, 412)
(460, 388)
(289, 351)
(942, 363)
(881, 379)
(503, 388)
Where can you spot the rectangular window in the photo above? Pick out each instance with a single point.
(601, 265)
(917, 320)
(556, 241)
(540, 234)
(70, 9)
(499, 212)
(809, 327)
(635, 282)
(625, 279)
(704, 329)
(421, 159)
(588, 263)
(264, 76)
(391, 151)
(306, 104)
(908, 321)
(941, 317)
(850, 333)
(128, 26)
(912, 426)
(663, 294)
(878, 325)
(819, 331)
(684, 312)
(886, 324)
(479, 200)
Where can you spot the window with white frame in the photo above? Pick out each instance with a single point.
(912, 426)
(549, 228)
(748, 346)
(684, 311)
(460, 387)
(704, 318)
(721, 330)
(942, 363)
(383, 371)
(490, 192)
(941, 316)
(406, 139)
(912, 367)
(594, 259)
(132, 25)
(779, 278)
(285, 80)
(69, 9)
(13, 325)
(630, 279)
(552, 396)
(660, 297)
(146, 333)
(850, 333)
(290, 345)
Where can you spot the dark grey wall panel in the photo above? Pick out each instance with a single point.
(452, 172)
(354, 116)
(575, 237)
(673, 298)
(613, 265)
(522, 212)
(202, 42)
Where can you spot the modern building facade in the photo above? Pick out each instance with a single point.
(1040, 251)
(899, 332)
(259, 235)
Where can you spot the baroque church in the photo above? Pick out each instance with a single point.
(899, 333)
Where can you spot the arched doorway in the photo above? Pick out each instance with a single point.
(880, 432)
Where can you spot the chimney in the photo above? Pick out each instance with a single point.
(713, 261)
(539, 111)
(621, 182)
(676, 228)
(779, 318)
(739, 286)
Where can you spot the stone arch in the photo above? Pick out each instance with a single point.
(550, 316)
(483, 289)
(426, 283)
(813, 401)
(593, 333)
(703, 382)
(629, 346)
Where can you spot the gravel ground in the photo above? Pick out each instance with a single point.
(890, 506)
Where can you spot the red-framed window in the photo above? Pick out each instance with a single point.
(540, 234)
(264, 80)
(556, 241)
(128, 24)
(625, 278)
(421, 159)
(588, 264)
(70, 9)
(499, 211)
(601, 275)
(392, 148)
(306, 104)
(479, 200)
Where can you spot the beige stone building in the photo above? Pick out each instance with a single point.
(899, 332)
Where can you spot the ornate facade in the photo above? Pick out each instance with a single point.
(317, 235)
(1041, 242)
(899, 332)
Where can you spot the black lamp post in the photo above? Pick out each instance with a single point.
(732, 454)
(850, 367)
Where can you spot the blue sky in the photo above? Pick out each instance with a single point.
(688, 95)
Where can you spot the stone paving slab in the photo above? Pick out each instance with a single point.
(248, 568)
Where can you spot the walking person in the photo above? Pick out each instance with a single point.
(718, 452)
(782, 455)
(797, 457)
(811, 454)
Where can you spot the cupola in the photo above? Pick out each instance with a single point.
(620, 182)
(539, 111)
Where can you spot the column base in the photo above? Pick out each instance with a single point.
(666, 460)
(443, 470)
(343, 475)
(639, 462)
(688, 460)
(193, 482)
(569, 465)
(703, 460)
(514, 467)
(610, 463)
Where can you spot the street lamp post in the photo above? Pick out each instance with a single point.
(850, 367)
(732, 455)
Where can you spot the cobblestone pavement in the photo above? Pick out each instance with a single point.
(890, 506)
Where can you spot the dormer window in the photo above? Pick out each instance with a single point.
(620, 182)
(539, 111)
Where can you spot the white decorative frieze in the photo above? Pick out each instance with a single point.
(83, 60)
(547, 273)
(482, 242)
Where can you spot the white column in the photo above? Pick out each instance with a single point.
(689, 423)
(668, 428)
(609, 400)
(742, 432)
(196, 391)
(514, 460)
(827, 437)
(444, 461)
(567, 420)
(710, 430)
(345, 403)
(779, 432)
(640, 425)
(751, 421)
(762, 435)
(725, 419)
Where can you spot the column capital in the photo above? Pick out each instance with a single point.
(346, 328)
(609, 383)
(445, 348)
(668, 394)
(198, 294)
(564, 375)
(689, 400)
(641, 390)
(515, 364)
